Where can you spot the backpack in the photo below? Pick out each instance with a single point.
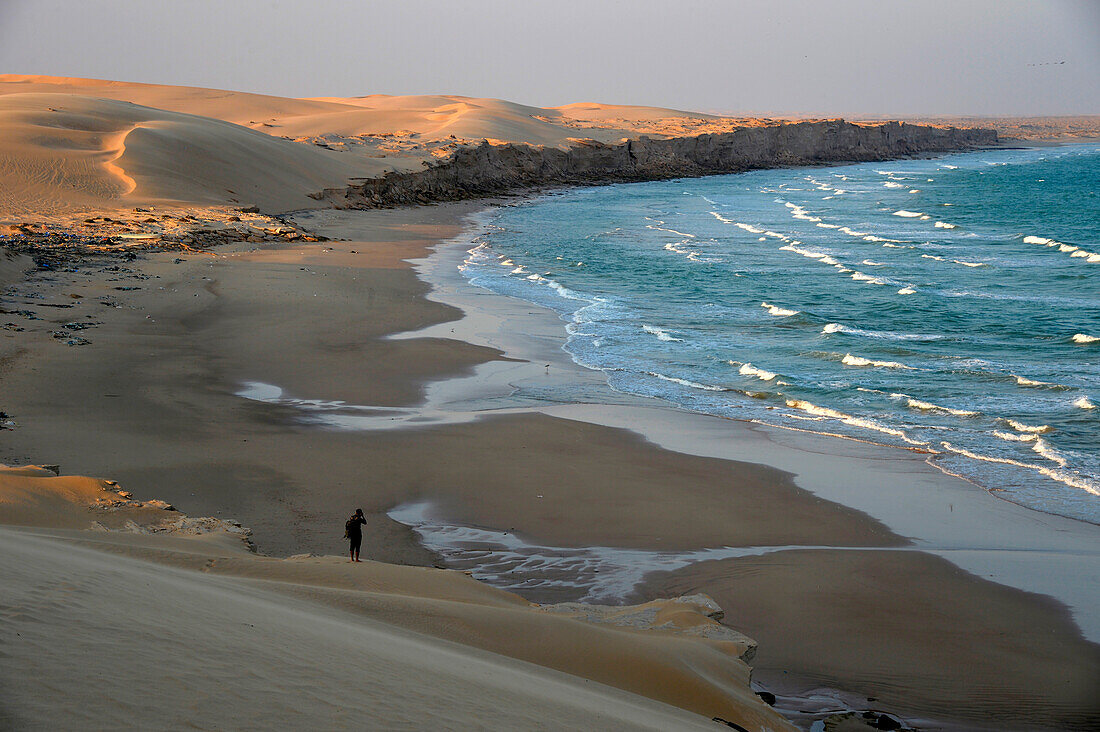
(347, 527)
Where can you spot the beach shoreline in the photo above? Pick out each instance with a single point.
(173, 421)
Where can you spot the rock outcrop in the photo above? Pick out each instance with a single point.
(489, 170)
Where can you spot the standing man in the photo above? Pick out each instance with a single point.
(353, 531)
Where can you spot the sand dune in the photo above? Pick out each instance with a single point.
(89, 144)
(187, 624)
(61, 151)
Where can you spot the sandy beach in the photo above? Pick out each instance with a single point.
(276, 384)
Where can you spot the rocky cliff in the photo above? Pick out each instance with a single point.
(489, 170)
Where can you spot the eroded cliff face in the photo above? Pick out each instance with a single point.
(489, 170)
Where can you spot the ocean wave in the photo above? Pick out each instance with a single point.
(829, 226)
(662, 335)
(1009, 437)
(808, 253)
(686, 382)
(815, 410)
(885, 335)
(1043, 448)
(1082, 338)
(869, 263)
(893, 185)
(1024, 381)
(655, 227)
(1072, 249)
(929, 407)
(908, 214)
(747, 369)
(944, 225)
(778, 311)
(852, 232)
(872, 237)
(1070, 479)
(800, 213)
(860, 277)
(1084, 403)
(906, 291)
(850, 360)
(1028, 428)
(969, 264)
(933, 256)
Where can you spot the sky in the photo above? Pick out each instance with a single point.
(847, 57)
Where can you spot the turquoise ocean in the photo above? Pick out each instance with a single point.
(947, 305)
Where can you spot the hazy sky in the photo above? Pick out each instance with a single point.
(843, 57)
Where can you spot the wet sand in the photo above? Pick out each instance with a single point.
(153, 402)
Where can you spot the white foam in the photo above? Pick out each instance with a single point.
(933, 256)
(813, 409)
(1008, 436)
(886, 335)
(662, 335)
(850, 360)
(1066, 478)
(944, 225)
(747, 369)
(869, 263)
(1043, 447)
(893, 185)
(1031, 429)
(1038, 240)
(906, 291)
(908, 214)
(852, 232)
(1082, 338)
(800, 213)
(969, 264)
(860, 277)
(1024, 381)
(778, 311)
(1084, 403)
(929, 407)
(657, 227)
(685, 382)
(872, 237)
(829, 226)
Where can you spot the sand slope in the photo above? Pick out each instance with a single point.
(172, 649)
(60, 151)
(177, 624)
